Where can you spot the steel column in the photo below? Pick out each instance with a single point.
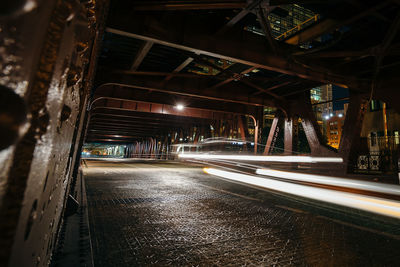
(350, 140)
(273, 134)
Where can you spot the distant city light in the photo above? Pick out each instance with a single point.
(326, 117)
(331, 115)
(340, 115)
(180, 107)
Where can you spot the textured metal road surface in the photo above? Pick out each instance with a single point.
(167, 213)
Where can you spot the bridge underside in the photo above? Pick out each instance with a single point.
(229, 61)
(149, 74)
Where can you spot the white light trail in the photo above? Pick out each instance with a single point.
(335, 181)
(297, 159)
(367, 203)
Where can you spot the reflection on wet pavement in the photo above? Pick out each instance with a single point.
(160, 214)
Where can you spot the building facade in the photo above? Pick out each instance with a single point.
(334, 127)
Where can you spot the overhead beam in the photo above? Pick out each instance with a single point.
(394, 50)
(312, 32)
(328, 25)
(185, 88)
(261, 89)
(234, 77)
(360, 4)
(252, 52)
(120, 131)
(301, 2)
(136, 121)
(108, 140)
(141, 55)
(143, 124)
(158, 74)
(112, 136)
(100, 131)
(391, 33)
(239, 16)
(154, 108)
(128, 93)
(266, 27)
(297, 88)
(160, 109)
(183, 64)
(137, 116)
(179, 68)
(269, 89)
(115, 130)
(387, 40)
(337, 54)
(121, 138)
(172, 124)
(113, 125)
(186, 5)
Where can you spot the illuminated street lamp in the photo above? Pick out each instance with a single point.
(180, 107)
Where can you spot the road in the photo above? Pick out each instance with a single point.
(169, 213)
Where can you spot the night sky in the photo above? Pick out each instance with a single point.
(339, 92)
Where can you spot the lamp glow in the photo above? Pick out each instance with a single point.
(180, 107)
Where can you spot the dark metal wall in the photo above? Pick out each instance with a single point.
(45, 51)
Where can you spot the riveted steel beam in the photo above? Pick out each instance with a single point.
(250, 52)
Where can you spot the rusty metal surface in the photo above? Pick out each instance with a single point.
(43, 57)
(173, 214)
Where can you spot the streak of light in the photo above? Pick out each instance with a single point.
(367, 203)
(335, 181)
(299, 159)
